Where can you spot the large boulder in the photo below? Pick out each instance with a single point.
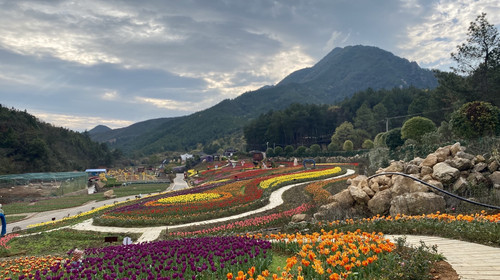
(425, 170)
(343, 198)
(493, 166)
(460, 163)
(395, 166)
(380, 203)
(109, 194)
(478, 179)
(480, 167)
(461, 185)
(465, 155)
(297, 218)
(417, 203)
(412, 169)
(445, 173)
(495, 179)
(442, 153)
(430, 160)
(455, 148)
(358, 194)
(402, 184)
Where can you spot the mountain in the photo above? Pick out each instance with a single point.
(340, 74)
(29, 145)
(99, 129)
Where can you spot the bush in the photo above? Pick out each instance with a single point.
(415, 127)
(367, 144)
(379, 141)
(476, 119)
(393, 138)
(300, 151)
(278, 151)
(289, 150)
(348, 145)
(315, 149)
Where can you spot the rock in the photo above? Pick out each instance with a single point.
(297, 218)
(395, 166)
(479, 167)
(416, 161)
(479, 158)
(402, 185)
(358, 194)
(495, 178)
(460, 163)
(380, 203)
(493, 166)
(332, 211)
(412, 169)
(442, 153)
(374, 186)
(424, 170)
(368, 191)
(343, 198)
(464, 155)
(445, 173)
(435, 183)
(460, 185)
(430, 160)
(357, 180)
(417, 203)
(478, 179)
(455, 148)
(109, 194)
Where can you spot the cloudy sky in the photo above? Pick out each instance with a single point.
(81, 63)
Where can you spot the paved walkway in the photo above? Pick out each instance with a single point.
(41, 217)
(471, 261)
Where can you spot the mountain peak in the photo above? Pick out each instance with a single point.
(99, 129)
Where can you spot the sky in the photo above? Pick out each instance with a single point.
(81, 63)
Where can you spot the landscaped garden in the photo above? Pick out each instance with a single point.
(264, 245)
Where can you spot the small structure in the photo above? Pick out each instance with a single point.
(95, 172)
(185, 157)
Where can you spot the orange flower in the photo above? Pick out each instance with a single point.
(229, 276)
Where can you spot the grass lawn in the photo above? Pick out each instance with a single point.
(59, 242)
(77, 200)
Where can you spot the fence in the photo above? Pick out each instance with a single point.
(32, 186)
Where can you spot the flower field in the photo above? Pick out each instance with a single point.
(242, 191)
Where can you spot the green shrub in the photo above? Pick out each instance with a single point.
(348, 145)
(367, 144)
(476, 119)
(415, 127)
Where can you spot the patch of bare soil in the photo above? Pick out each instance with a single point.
(443, 271)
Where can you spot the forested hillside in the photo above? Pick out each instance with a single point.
(28, 145)
(340, 74)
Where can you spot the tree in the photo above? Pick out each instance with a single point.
(480, 53)
(379, 140)
(343, 132)
(278, 151)
(475, 119)
(415, 127)
(300, 151)
(348, 146)
(315, 149)
(270, 152)
(364, 119)
(289, 150)
(393, 138)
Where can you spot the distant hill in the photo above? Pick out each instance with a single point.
(28, 145)
(99, 129)
(343, 72)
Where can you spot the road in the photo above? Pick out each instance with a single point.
(41, 217)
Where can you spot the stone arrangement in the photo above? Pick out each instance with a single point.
(449, 168)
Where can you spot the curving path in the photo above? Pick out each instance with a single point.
(470, 261)
(152, 233)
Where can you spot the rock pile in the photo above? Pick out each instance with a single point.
(449, 168)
